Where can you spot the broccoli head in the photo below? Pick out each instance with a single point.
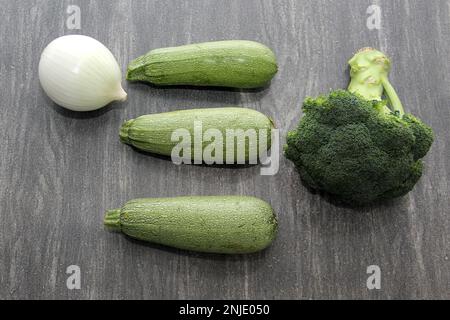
(356, 146)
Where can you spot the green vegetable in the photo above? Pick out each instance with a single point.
(233, 63)
(222, 224)
(356, 146)
(153, 133)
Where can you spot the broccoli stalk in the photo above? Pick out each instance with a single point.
(356, 146)
(369, 71)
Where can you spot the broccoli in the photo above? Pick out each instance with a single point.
(356, 146)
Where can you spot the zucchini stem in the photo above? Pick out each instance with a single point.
(123, 134)
(112, 220)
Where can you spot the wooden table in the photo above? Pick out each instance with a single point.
(61, 170)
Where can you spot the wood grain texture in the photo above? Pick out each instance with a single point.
(60, 171)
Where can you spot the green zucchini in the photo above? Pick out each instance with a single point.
(153, 132)
(232, 63)
(217, 224)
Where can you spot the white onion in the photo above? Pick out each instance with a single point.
(79, 73)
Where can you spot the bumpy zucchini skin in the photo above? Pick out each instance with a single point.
(214, 224)
(153, 133)
(232, 63)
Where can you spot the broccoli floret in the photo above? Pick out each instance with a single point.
(356, 146)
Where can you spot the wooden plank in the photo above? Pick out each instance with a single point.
(60, 171)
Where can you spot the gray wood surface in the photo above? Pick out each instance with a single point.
(60, 170)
